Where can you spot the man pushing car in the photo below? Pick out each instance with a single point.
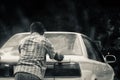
(33, 50)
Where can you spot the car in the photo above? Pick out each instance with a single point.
(83, 59)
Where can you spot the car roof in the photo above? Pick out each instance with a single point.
(54, 32)
(59, 32)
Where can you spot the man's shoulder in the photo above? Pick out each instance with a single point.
(24, 39)
(48, 43)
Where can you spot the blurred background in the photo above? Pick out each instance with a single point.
(98, 19)
(91, 17)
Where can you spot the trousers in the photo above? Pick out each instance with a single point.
(25, 76)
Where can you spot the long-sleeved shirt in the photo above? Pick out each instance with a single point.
(33, 50)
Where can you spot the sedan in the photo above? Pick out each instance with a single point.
(83, 59)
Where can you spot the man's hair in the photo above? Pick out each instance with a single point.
(37, 27)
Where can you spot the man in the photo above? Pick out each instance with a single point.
(33, 50)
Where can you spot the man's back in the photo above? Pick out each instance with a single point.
(33, 50)
(33, 55)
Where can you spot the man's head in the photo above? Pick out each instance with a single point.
(37, 27)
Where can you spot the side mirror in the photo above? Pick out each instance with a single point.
(110, 58)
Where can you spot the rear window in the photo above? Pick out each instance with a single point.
(64, 69)
(67, 44)
(14, 40)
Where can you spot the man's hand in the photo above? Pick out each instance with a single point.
(59, 57)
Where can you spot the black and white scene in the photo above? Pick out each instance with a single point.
(59, 40)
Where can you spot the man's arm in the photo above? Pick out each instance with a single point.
(19, 48)
(52, 54)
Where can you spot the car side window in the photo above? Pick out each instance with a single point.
(92, 50)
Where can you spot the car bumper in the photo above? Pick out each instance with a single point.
(6, 70)
(5, 65)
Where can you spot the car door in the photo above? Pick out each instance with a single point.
(101, 69)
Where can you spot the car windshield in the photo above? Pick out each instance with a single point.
(67, 44)
(14, 41)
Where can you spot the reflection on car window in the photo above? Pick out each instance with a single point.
(92, 50)
(14, 40)
(64, 69)
(65, 43)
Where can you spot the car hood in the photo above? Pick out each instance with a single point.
(9, 55)
(9, 50)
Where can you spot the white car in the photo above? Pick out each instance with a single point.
(82, 57)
